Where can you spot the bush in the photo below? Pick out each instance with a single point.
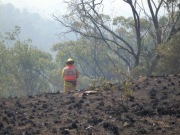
(169, 56)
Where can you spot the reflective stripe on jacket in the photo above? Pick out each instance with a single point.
(69, 73)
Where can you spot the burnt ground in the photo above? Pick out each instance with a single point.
(152, 109)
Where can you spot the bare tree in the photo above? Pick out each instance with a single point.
(86, 19)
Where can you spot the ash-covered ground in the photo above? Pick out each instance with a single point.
(152, 109)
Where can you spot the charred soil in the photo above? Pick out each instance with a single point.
(152, 109)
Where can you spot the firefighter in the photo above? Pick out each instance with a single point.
(70, 75)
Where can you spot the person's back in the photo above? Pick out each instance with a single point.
(70, 75)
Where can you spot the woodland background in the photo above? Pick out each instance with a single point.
(112, 48)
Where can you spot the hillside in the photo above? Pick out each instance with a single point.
(153, 109)
(43, 32)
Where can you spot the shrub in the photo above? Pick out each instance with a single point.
(169, 56)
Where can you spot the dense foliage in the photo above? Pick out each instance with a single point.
(24, 70)
(169, 56)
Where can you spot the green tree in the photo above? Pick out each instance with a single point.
(24, 69)
(170, 59)
(30, 68)
(5, 77)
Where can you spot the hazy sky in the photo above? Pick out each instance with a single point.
(48, 7)
(43, 7)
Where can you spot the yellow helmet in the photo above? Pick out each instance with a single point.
(70, 60)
